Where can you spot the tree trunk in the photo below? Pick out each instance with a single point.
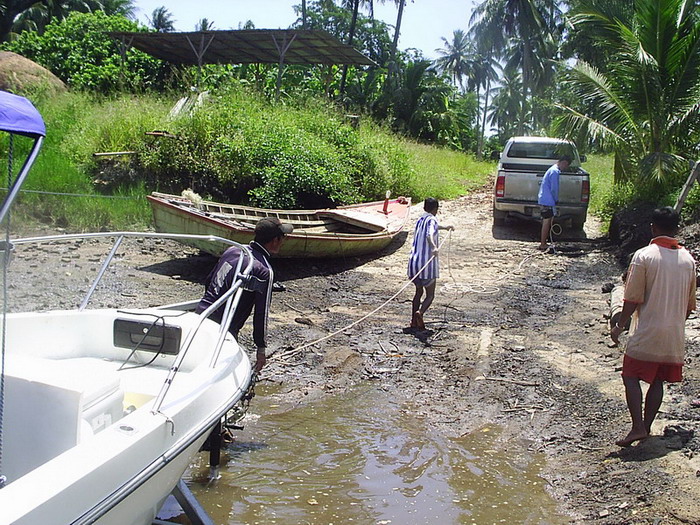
(480, 143)
(395, 43)
(303, 14)
(353, 23)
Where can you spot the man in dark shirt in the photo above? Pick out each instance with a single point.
(257, 289)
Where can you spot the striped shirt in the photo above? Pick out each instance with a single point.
(421, 251)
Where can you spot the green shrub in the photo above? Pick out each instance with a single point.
(78, 51)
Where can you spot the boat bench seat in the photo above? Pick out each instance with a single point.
(51, 405)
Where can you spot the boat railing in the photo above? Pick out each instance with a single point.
(229, 300)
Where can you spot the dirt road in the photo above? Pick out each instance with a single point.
(515, 338)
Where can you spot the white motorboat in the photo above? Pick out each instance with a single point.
(102, 410)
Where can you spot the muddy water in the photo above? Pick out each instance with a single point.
(363, 458)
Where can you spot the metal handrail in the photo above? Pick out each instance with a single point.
(229, 300)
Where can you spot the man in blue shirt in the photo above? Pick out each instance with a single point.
(548, 197)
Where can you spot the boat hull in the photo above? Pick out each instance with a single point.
(115, 458)
(173, 214)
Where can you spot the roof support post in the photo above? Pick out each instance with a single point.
(200, 51)
(282, 50)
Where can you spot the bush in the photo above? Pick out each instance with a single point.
(239, 148)
(79, 52)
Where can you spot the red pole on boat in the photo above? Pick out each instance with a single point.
(386, 203)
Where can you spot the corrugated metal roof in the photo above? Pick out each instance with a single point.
(246, 46)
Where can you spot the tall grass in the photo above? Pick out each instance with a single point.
(240, 147)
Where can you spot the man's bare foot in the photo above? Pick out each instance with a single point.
(631, 438)
(542, 247)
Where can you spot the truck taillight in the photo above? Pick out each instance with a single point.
(500, 186)
(585, 190)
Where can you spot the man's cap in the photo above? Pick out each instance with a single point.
(270, 228)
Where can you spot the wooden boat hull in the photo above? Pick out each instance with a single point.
(317, 233)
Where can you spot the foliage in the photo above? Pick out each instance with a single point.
(79, 52)
(242, 149)
(60, 170)
(646, 104)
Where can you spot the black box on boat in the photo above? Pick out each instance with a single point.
(147, 335)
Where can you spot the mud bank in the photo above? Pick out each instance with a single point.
(514, 338)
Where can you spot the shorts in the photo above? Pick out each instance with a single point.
(424, 282)
(546, 212)
(650, 371)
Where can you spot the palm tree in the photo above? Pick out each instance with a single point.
(646, 104)
(39, 14)
(506, 106)
(484, 71)
(520, 25)
(162, 20)
(119, 7)
(204, 25)
(455, 57)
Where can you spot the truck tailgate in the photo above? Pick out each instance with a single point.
(524, 186)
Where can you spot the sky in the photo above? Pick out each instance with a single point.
(424, 21)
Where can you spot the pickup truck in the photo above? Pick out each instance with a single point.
(520, 170)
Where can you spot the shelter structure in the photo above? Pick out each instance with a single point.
(246, 46)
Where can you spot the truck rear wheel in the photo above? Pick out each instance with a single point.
(499, 217)
(577, 223)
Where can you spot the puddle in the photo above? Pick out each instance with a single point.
(364, 458)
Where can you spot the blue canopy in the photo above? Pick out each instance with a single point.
(18, 115)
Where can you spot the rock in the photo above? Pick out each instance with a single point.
(19, 75)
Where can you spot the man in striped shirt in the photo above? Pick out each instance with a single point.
(423, 264)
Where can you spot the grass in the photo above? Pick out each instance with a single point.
(600, 167)
(79, 125)
(446, 174)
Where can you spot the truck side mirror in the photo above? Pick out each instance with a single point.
(583, 158)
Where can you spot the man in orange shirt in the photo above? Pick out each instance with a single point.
(660, 292)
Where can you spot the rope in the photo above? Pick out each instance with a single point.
(285, 354)
(294, 351)
(79, 194)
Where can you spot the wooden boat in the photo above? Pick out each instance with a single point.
(105, 408)
(336, 232)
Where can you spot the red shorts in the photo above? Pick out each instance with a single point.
(649, 371)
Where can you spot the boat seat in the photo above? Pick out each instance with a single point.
(51, 405)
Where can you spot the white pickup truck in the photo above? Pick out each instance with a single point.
(520, 170)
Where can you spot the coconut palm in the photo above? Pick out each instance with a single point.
(455, 57)
(37, 15)
(484, 70)
(204, 25)
(119, 7)
(506, 106)
(646, 104)
(162, 20)
(518, 25)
